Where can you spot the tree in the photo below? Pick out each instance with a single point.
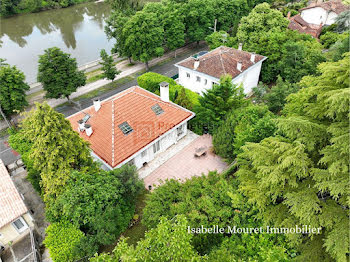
(199, 17)
(248, 124)
(109, 70)
(275, 99)
(91, 200)
(342, 21)
(63, 242)
(56, 149)
(301, 176)
(215, 103)
(259, 21)
(169, 241)
(12, 90)
(144, 37)
(337, 50)
(219, 38)
(183, 100)
(59, 74)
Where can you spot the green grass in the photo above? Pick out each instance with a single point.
(35, 94)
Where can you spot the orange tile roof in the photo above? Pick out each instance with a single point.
(11, 202)
(299, 24)
(221, 61)
(133, 106)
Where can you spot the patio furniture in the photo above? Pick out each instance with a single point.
(200, 151)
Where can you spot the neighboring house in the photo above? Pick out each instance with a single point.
(299, 24)
(15, 219)
(199, 73)
(131, 127)
(323, 13)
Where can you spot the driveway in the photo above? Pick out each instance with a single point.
(185, 164)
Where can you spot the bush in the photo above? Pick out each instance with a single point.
(63, 240)
(329, 38)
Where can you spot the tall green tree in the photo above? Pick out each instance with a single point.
(59, 74)
(301, 177)
(248, 124)
(108, 68)
(183, 100)
(92, 200)
(342, 21)
(219, 38)
(144, 37)
(215, 103)
(169, 241)
(56, 149)
(12, 90)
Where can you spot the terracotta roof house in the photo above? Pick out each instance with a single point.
(15, 218)
(201, 72)
(299, 24)
(132, 126)
(324, 13)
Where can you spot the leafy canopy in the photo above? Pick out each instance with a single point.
(108, 68)
(59, 74)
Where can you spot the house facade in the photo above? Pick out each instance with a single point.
(299, 24)
(323, 13)
(132, 127)
(15, 219)
(200, 73)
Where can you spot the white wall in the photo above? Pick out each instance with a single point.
(331, 18)
(315, 15)
(249, 78)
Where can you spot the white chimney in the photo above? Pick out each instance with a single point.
(239, 66)
(81, 127)
(240, 46)
(252, 57)
(88, 129)
(164, 91)
(97, 104)
(196, 63)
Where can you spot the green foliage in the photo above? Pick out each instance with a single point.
(62, 240)
(275, 98)
(329, 38)
(214, 105)
(59, 74)
(109, 70)
(169, 241)
(337, 50)
(91, 200)
(12, 90)
(144, 37)
(24, 147)
(248, 124)
(301, 177)
(150, 81)
(56, 149)
(183, 100)
(342, 21)
(219, 38)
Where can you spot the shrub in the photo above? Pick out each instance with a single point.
(329, 38)
(62, 240)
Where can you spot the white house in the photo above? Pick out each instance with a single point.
(15, 219)
(199, 73)
(323, 13)
(132, 126)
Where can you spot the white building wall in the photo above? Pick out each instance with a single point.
(331, 18)
(316, 15)
(249, 78)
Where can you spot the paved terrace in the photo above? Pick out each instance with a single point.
(184, 164)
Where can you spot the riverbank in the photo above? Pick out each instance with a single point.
(24, 7)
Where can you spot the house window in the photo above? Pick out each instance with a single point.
(198, 79)
(156, 147)
(144, 153)
(180, 130)
(157, 109)
(20, 225)
(131, 162)
(188, 75)
(205, 81)
(125, 128)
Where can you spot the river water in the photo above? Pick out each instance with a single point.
(78, 30)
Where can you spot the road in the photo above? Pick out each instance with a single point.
(167, 68)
